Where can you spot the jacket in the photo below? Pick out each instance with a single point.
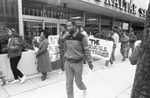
(44, 63)
(77, 47)
(14, 47)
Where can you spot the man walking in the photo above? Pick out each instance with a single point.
(76, 47)
(116, 40)
(124, 46)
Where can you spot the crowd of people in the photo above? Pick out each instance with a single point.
(74, 52)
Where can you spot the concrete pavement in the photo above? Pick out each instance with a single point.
(111, 82)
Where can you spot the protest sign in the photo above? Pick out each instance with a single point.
(53, 47)
(100, 48)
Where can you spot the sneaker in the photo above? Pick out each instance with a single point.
(123, 59)
(105, 67)
(61, 72)
(14, 81)
(23, 79)
(84, 93)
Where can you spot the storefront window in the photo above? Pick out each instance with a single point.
(106, 22)
(9, 13)
(31, 30)
(56, 12)
(35, 8)
(31, 7)
(91, 23)
(118, 24)
(77, 16)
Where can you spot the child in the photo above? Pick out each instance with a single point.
(2, 76)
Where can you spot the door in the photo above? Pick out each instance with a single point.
(31, 30)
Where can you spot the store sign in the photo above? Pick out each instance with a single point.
(100, 48)
(53, 47)
(142, 12)
(122, 5)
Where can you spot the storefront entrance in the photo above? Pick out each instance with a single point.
(32, 27)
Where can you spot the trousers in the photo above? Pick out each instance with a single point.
(124, 51)
(73, 70)
(14, 63)
(62, 59)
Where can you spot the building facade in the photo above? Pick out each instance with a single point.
(30, 16)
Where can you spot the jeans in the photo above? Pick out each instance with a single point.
(73, 70)
(14, 63)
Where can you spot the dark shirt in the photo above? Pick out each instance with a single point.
(125, 41)
(133, 38)
(62, 40)
(76, 47)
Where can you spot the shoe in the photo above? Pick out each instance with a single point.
(105, 67)
(61, 72)
(43, 77)
(14, 81)
(123, 59)
(23, 79)
(84, 93)
(4, 83)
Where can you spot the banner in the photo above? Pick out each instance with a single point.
(100, 48)
(53, 47)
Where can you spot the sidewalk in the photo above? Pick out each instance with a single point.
(113, 82)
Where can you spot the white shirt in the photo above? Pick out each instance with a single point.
(116, 38)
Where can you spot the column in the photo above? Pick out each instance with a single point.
(113, 23)
(99, 24)
(20, 18)
(83, 18)
(130, 26)
(122, 26)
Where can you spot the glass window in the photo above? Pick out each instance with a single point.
(92, 23)
(56, 12)
(76, 15)
(31, 30)
(118, 23)
(106, 22)
(32, 8)
(9, 13)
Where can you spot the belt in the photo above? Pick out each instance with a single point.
(74, 60)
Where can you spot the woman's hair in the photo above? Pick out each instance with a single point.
(64, 26)
(81, 27)
(45, 33)
(14, 32)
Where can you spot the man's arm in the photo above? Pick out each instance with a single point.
(87, 52)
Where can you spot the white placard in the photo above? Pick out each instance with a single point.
(100, 48)
(53, 47)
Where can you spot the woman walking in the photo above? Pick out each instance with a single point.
(14, 53)
(44, 64)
